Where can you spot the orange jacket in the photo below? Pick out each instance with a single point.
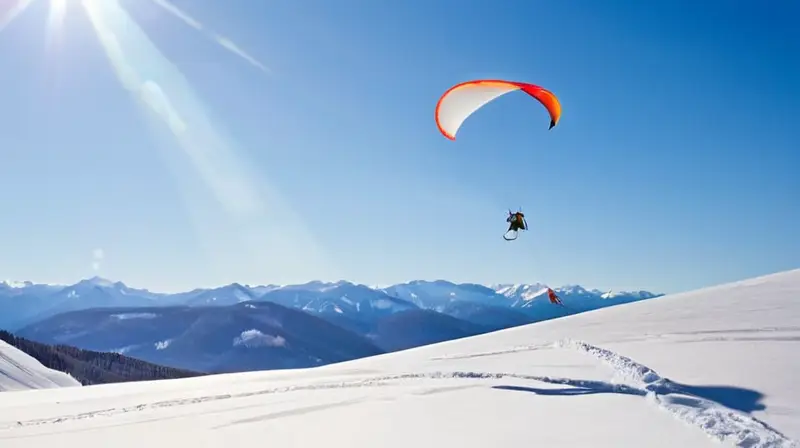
(552, 296)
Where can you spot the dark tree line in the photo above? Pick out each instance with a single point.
(90, 367)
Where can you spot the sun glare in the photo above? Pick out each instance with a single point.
(55, 18)
(258, 217)
(11, 13)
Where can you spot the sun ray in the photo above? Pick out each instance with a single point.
(18, 8)
(221, 40)
(55, 20)
(174, 10)
(233, 48)
(272, 233)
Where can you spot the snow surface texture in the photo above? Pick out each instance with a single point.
(687, 370)
(19, 371)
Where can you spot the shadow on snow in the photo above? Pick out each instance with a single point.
(740, 399)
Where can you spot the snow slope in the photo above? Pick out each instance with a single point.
(719, 363)
(19, 371)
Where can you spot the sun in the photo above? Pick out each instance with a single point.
(59, 6)
(56, 15)
(55, 18)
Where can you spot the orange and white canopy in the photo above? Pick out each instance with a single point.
(461, 100)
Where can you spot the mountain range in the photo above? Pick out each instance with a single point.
(239, 327)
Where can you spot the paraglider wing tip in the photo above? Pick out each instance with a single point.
(552, 124)
(446, 134)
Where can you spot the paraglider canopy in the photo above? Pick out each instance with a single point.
(462, 100)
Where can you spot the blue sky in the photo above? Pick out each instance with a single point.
(137, 147)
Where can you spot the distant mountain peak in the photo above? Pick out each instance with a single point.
(100, 281)
(354, 306)
(506, 289)
(16, 284)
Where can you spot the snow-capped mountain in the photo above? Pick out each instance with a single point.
(529, 299)
(89, 293)
(260, 290)
(222, 296)
(340, 297)
(350, 304)
(436, 295)
(11, 287)
(102, 291)
(194, 329)
(521, 294)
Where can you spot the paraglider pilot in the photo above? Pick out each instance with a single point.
(516, 221)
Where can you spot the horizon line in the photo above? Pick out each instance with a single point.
(11, 283)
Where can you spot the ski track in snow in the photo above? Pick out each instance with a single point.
(519, 349)
(716, 420)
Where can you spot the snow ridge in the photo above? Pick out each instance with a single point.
(718, 421)
(20, 371)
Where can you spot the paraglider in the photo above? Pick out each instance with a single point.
(462, 100)
(516, 222)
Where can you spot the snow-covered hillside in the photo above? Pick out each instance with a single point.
(19, 371)
(719, 363)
